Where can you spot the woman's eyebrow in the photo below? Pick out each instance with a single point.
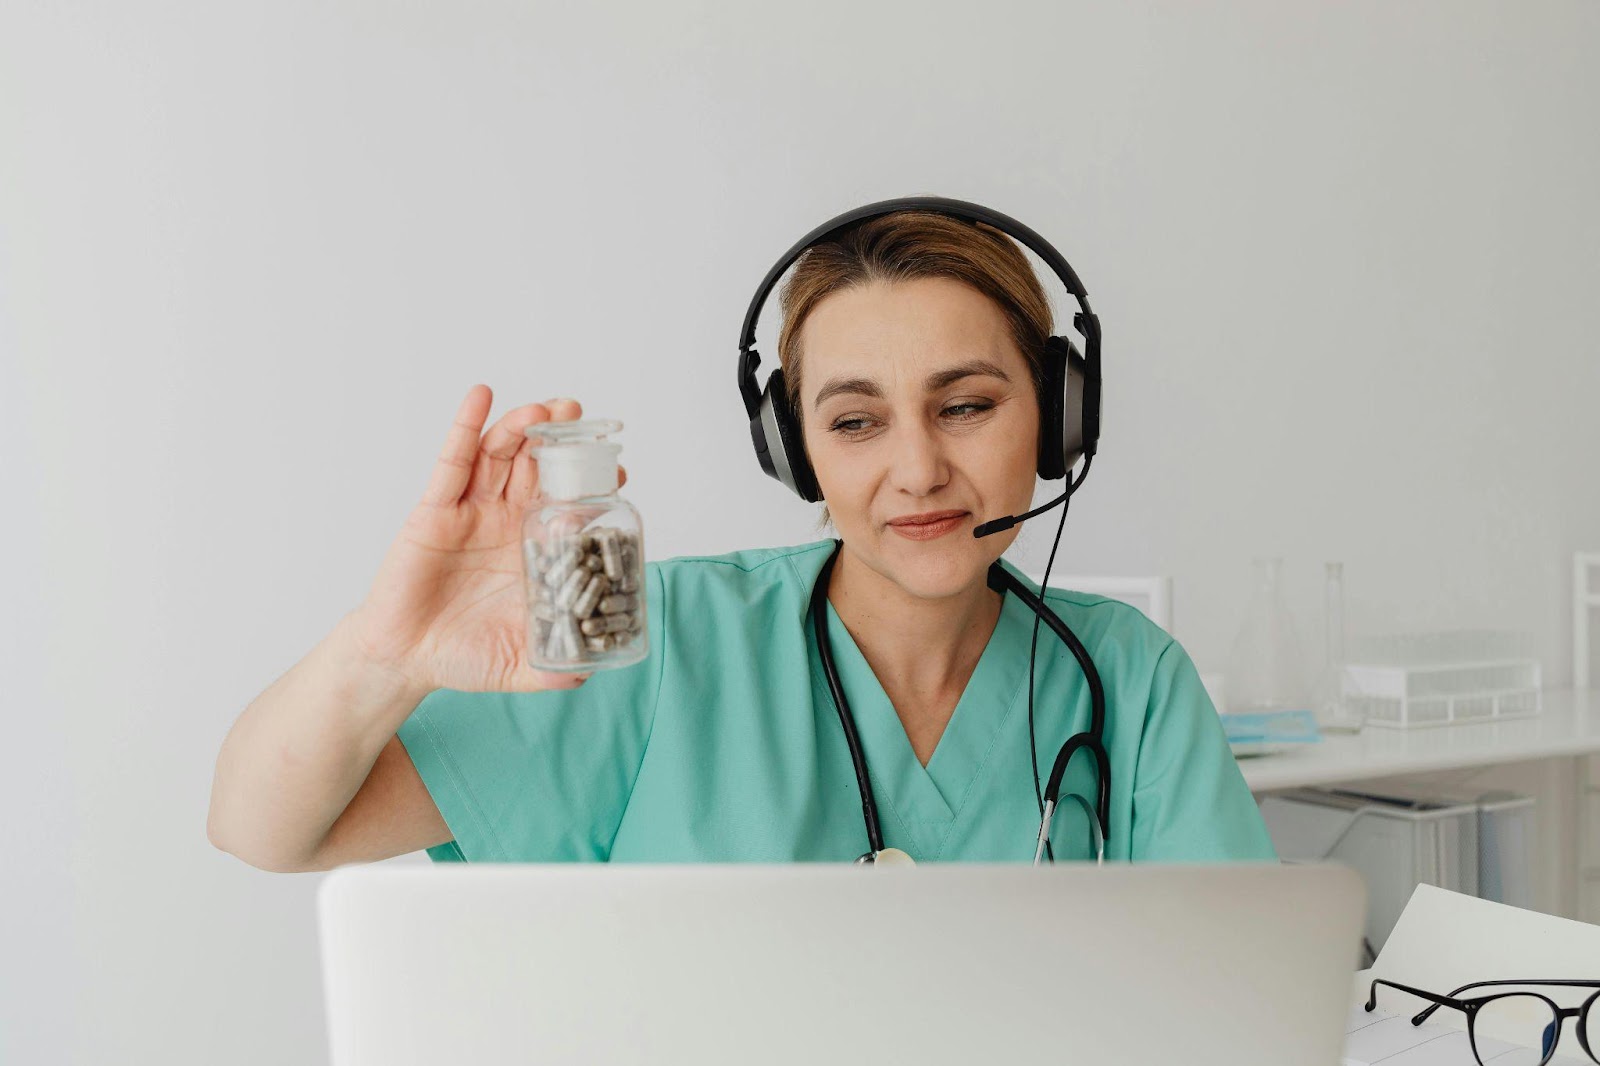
(936, 380)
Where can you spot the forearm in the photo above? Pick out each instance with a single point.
(300, 751)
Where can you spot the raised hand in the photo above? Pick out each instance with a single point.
(447, 606)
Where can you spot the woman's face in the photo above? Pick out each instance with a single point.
(915, 399)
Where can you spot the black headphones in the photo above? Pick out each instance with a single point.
(1069, 423)
(1069, 429)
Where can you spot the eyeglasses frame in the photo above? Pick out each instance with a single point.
(1471, 1005)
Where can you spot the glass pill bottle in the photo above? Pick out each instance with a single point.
(582, 553)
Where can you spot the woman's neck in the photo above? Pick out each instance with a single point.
(919, 648)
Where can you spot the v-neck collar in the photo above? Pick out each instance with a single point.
(927, 800)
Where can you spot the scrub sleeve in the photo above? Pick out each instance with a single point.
(539, 776)
(1190, 802)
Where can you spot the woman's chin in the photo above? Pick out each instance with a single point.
(934, 570)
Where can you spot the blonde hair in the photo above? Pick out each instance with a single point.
(915, 244)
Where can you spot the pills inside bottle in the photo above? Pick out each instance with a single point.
(583, 554)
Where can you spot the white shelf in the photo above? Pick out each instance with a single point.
(1568, 724)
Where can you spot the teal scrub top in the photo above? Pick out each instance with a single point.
(724, 745)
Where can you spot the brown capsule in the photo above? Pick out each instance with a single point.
(563, 565)
(619, 602)
(552, 645)
(611, 555)
(606, 623)
(567, 630)
(597, 587)
(547, 612)
(572, 586)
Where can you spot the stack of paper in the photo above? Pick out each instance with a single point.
(1444, 940)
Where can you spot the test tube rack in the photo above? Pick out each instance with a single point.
(1435, 694)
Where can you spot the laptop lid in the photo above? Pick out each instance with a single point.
(1240, 964)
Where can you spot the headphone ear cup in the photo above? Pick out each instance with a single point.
(786, 450)
(1061, 413)
(1073, 406)
(1050, 399)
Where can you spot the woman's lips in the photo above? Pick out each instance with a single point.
(929, 530)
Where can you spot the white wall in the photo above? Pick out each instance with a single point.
(252, 256)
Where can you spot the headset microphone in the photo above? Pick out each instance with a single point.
(1000, 525)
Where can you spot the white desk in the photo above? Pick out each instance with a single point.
(1569, 724)
(1566, 729)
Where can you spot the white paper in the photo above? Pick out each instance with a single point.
(1444, 940)
(1391, 1039)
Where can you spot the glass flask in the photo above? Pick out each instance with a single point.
(1265, 669)
(582, 553)
(1333, 712)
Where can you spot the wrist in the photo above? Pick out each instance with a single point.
(390, 677)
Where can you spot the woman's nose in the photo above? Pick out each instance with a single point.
(919, 460)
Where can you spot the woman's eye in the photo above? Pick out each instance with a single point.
(850, 426)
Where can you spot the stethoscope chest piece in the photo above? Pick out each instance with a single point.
(886, 857)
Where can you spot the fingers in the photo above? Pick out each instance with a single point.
(500, 447)
(456, 460)
(524, 475)
(478, 465)
(523, 472)
(564, 409)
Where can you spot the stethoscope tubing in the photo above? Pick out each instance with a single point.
(1001, 581)
(1094, 740)
(819, 623)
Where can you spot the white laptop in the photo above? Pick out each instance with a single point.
(1239, 964)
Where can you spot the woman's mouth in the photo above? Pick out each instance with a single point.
(928, 526)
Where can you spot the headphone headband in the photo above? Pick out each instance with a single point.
(1085, 321)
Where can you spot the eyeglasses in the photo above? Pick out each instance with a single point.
(1501, 1024)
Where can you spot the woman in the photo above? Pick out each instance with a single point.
(910, 351)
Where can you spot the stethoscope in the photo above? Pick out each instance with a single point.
(1001, 580)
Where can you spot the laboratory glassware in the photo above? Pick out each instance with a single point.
(1265, 669)
(1334, 712)
(583, 553)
